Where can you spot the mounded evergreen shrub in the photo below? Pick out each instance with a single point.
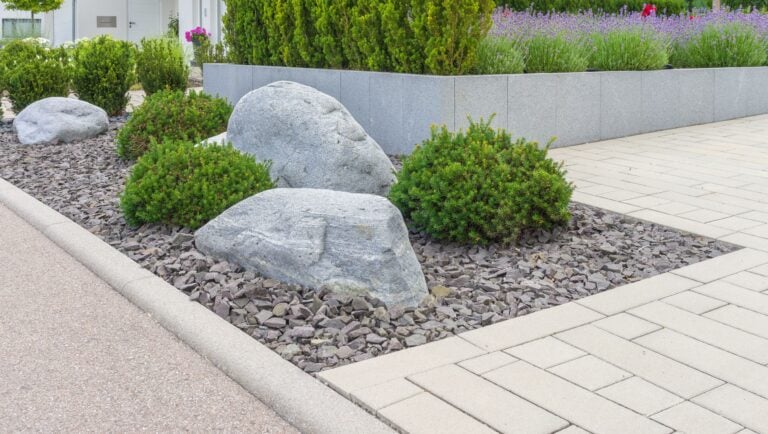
(480, 186)
(172, 115)
(32, 71)
(160, 65)
(180, 183)
(104, 72)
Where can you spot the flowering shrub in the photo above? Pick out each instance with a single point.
(197, 35)
(639, 40)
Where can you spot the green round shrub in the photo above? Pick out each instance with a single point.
(160, 65)
(479, 186)
(104, 72)
(32, 71)
(172, 115)
(184, 184)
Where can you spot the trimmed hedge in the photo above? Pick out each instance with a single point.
(414, 36)
(104, 72)
(160, 65)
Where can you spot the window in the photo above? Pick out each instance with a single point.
(21, 27)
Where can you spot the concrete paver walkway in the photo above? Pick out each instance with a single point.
(75, 356)
(683, 351)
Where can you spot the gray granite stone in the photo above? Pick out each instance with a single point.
(532, 110)
(661, 100)
(578, 108)
(621, 104)
(427, 101)
(482, 96)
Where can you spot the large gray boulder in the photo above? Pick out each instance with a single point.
(311, 139)
(346, 242)
(54, 120)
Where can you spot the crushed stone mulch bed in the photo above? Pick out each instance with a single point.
(472, 286)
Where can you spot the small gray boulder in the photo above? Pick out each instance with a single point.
(311, 139)
(54, 120)
(346, 242)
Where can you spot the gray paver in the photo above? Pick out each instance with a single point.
(706, 330)
(626, 326)
(487, 362)
(749, 280)
(652, 366)
(742, 319)
(690, 418)
(590, 372)
(640, 396)
(737, 295)
(545, 352)
(737, 405)
(635, 294)
(711, 360)
(385, 394)
(724, 265)
(586, 409)
(425, 414)
(694, 302)
(487, 402)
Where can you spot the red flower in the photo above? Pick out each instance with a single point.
(648, 10)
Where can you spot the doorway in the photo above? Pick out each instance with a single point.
(145, 19)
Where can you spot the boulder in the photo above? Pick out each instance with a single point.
(54, 120)
(349, 243)
(311, 139)
(221, 139)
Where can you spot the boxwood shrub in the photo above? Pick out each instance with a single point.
(160, 65)
(32, 71)
(184, 184)
(480, 186)
(104, 72)
(172, 115)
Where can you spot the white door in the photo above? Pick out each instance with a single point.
(145, 19)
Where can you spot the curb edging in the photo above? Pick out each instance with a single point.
(303, 401)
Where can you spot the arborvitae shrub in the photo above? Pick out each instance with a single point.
(480, 186)
(104, 72)
(161, 65)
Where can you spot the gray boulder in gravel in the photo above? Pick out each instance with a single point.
(346, 242)
(311, 139)
(54, 120)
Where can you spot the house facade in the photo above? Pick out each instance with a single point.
(130, 20)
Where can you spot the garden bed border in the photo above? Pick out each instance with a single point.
(397, 110)
(297, 397)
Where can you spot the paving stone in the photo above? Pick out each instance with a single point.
(758, 231)
(693, 302)
(582, 407)
(649, 365)
(385, 394)
(545, 352)
(635, 294)
(749, 280)
(529, 327)
(737, 405)
(487, 362)
(742, 319)
(590, 372)
(573, 429)
(746, 240)
(761, 270)
(604, 203)
(673, 208)
(704, 215)
(724, 265)
(680, 223)
(690, 418)
(357, 376)
(427, 414)
(640, 396)
(626, 326)
(706, 358)
(486, 401)
(706, 330)
(737, 295)
(647, 201)
(735, 223)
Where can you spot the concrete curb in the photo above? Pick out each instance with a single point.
(299, 398)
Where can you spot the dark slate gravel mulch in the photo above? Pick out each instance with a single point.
(472, 286)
